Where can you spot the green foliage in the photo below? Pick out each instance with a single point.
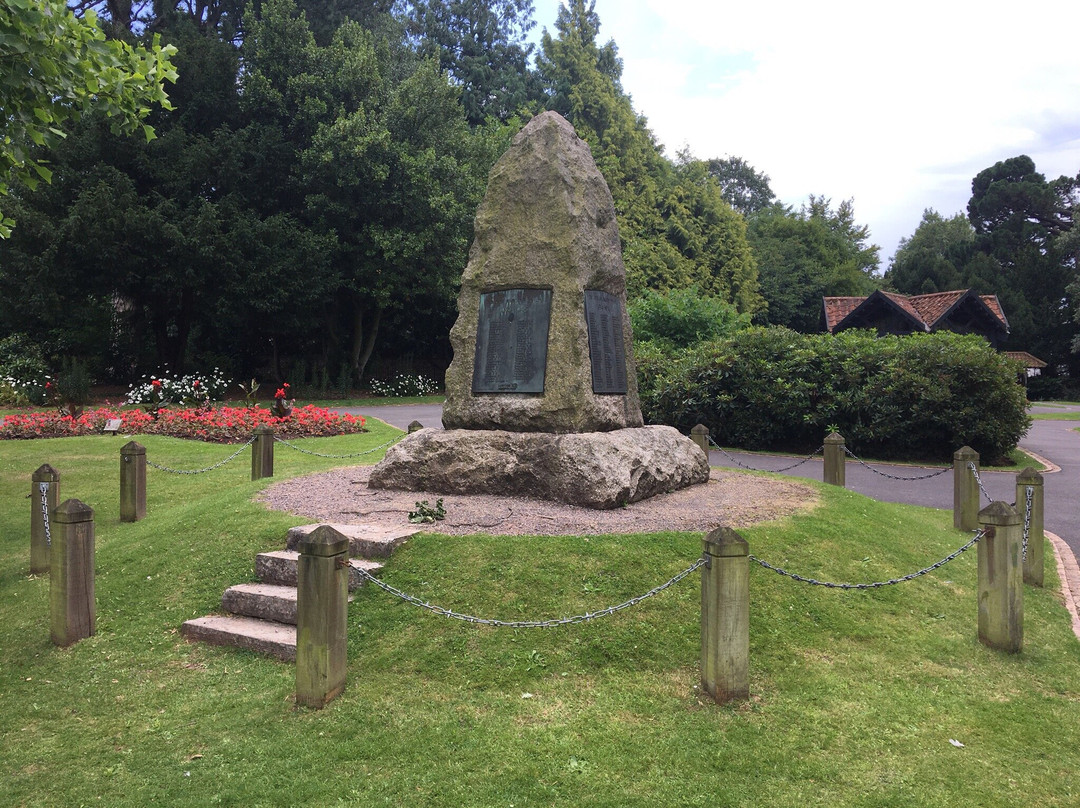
(935, 257)
(918, 397)
(807, 254)
(23, 369)
(58, 67)
(482, 45)
(676, 228)
(72, 388)
(681, 318)
(745, 188)
(426, 513)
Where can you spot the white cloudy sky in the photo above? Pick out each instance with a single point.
(895, 105)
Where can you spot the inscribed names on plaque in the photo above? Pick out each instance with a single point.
(511, 341)
(607, 350)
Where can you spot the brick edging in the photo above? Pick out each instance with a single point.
(1069, 573)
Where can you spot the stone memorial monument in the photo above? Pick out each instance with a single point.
(541, 397)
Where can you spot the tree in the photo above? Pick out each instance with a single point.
(56, 69)
(677, 230)
(745, 189)
(482, 45)
(1019, 219)
(805, 255)
(935, 257)
(377, 154)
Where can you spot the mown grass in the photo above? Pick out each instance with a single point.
(855, 695)
(1055, 416)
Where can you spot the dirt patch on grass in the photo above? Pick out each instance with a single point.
(729, 498)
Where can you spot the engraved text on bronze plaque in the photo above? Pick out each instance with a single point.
(607, 351)
(511, 341)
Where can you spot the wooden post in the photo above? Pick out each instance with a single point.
(700, 435)
(415, 426)
(40, 527)
(132, 482)
(725, 617)
(1033, 564)
(1001, 580)
(73, 614)
(965, 490)
(262, 453)
(835, 460)
(322, 595)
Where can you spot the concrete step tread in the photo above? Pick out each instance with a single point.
(279, 567)
(265, 601)
(264, 636)
(266, 590)
(370, 541)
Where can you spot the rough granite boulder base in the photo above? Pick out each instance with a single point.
(547, 222)
(591, 469)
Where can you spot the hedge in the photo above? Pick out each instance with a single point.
(917, 397)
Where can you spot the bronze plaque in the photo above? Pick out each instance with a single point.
(607, 351)
(511, 341)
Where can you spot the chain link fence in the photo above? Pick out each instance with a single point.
(217, 465)
(561, 621)
(739, 463)
(302, 450)
(863, 463)
(44, 489)
(876, 584)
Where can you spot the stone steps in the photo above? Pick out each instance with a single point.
(261, 616)
(264, 636)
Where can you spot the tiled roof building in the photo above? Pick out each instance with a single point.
(961, 311)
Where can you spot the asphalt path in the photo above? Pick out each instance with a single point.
(1053, 440)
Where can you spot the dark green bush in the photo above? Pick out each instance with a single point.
(681, 318)
(918, 397)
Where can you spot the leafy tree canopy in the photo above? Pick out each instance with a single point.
(742, 186)
(57, 67)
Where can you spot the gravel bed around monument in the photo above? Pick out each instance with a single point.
(729, 498)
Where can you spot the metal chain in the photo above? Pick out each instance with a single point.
(876, 584)
(810, 456)
(978, 479)
(336, 456)
(233, 456)
(44, 488)
(564, 621)
(1027, 522)
(862, 462)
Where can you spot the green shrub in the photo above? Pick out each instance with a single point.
(23, 370)
(681, 318)
(915, 397)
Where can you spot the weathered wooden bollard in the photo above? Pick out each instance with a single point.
(73, 613)
(322, 596)
(1033, 563)
(725, 616)
(44, 490)
(1001, 580)
(415, 426)
(835, 461)
(700, 435)
(965, 489)
(132, 482)
(262, 453)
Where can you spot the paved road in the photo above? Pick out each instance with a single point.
(1054, 440)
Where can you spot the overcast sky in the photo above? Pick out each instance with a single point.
(897, 106)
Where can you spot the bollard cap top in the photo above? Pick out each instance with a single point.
(965, 453)
(73, 510)
(133, 448)
(724, 541)
(323, 541)
(699, 429)
(1029, 477)
(999, 513)
(46, 474)
(834, 437)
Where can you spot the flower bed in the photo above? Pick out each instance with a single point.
(220, 425)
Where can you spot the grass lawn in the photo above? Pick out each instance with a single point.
(1055, 416)
(856, 696)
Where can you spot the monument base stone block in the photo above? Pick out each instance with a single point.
(592, 469)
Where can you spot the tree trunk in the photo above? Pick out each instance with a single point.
(363, 343)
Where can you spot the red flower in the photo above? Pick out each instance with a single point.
(195, 383)
(155, 383)
(281, 392)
